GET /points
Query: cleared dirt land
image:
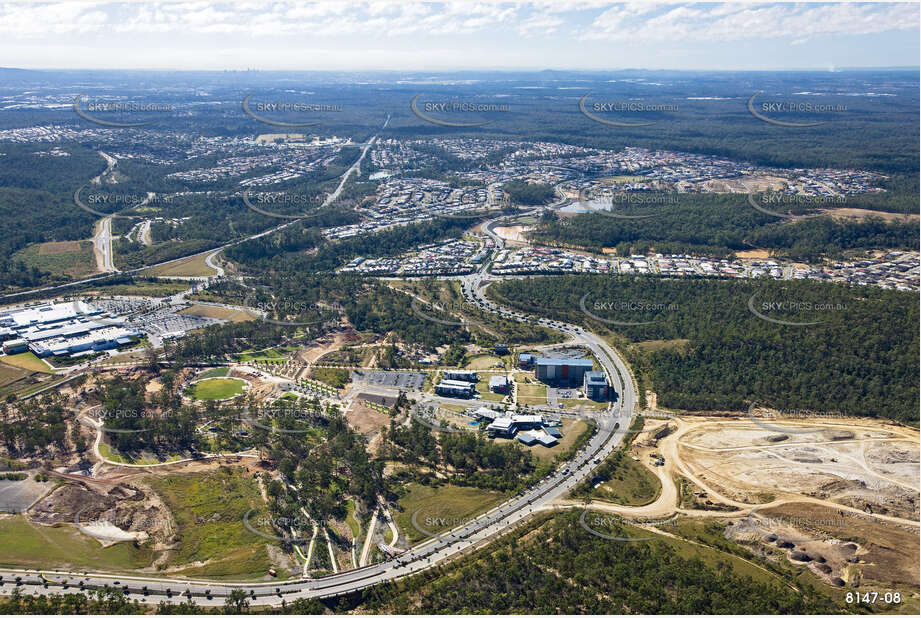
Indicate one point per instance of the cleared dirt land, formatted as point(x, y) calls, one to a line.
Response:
point(834, 500)
point(867, 466)
point(861, 213)
point(514, 232)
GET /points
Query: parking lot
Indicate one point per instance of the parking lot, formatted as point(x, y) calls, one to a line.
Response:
point(405, 380)
point(17, 496)
point(165, 323)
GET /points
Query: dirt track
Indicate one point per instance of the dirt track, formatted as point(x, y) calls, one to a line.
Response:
point(682, 457)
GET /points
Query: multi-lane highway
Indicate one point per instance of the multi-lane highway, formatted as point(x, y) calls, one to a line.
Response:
point(611, 427)
point(107, 256)
point(102, 242)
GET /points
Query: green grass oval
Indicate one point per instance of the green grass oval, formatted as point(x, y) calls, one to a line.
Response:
point(216, 388)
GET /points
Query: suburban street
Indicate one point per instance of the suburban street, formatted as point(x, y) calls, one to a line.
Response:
point(611, 426)
point(214, 250)
point(611, 429)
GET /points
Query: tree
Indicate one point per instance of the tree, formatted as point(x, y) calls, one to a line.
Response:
point(236, 602)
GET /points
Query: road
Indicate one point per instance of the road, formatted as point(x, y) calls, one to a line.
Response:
point(329, 200)
point(611, 428)
point(144, 231)
point(219, 271)
point(102, 242)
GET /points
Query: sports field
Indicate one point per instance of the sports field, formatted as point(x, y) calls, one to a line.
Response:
point(216, 388)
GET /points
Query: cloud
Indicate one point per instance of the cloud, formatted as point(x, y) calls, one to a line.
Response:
point(735, 21)
point(541, 24)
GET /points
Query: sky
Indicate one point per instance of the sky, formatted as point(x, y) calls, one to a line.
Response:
point(442, 36)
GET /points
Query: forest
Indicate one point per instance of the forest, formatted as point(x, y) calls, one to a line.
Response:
point(555, 565)
point(529, 193)
point(700, 346)
point(720, 225)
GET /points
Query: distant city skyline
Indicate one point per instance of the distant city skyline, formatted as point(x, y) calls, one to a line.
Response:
point(415, 36)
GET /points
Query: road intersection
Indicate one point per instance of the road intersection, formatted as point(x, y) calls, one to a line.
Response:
point(611, 427)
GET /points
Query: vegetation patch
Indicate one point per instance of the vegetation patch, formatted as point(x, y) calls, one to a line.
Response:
point(336, 378)
point(209, 509)
point(440, 508)
point(621, 480)
point(37, 546)
point(26, 360)
point(216, 388)
point(72, 259)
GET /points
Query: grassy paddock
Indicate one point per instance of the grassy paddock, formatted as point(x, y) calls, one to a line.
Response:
point(26, 360)
point(209, 510)
point(441, 508)
point(44, 547)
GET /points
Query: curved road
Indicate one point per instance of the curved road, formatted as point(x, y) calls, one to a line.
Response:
point(611, 428)
point(329, 200)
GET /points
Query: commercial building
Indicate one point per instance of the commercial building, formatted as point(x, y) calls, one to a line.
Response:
point(486, 414)
point(100, 339)
point(63, 329)
point(528, 421)
point(455, 388)
point(595, 386)
point(526, 361)
point(14, 346)
point(527, 438)
point(508, 426)
point(49, 313)
point(536, 436)
point(562, 371)
point(498, 384)
point(459, 375)
point(502, 427)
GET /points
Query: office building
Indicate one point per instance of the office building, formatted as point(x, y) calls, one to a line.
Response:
point(525, 361)
point(595, 386)
point(455, 388)
point(459, 375)
point(499, 384)
point(562, 371)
